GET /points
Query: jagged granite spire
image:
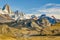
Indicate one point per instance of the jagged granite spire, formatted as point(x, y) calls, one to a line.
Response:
point(6, 8)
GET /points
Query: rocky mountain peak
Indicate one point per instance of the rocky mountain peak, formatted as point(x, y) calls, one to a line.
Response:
point(6, 8)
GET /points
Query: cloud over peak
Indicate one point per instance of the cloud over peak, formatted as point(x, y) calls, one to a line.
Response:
point(49, 9)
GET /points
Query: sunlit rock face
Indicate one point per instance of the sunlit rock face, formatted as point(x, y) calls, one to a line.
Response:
point(6, 8)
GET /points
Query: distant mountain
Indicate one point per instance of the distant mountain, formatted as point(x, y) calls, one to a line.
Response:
point(19, 15)
point(6, 8)
point(6, 14)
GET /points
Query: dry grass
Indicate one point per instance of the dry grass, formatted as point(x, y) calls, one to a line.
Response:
point(9, 33)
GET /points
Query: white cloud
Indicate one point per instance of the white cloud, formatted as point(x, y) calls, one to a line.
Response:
point(50, 9)
point(52, 4)
point(54, 10)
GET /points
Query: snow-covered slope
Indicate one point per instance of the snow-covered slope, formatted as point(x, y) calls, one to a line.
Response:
point(50, 15)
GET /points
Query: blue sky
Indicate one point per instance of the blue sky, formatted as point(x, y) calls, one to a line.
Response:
point(29, 6)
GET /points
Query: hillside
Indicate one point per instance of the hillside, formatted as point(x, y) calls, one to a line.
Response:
point(11, 33)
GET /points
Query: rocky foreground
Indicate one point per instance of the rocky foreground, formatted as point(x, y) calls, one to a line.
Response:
point(12, 33)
